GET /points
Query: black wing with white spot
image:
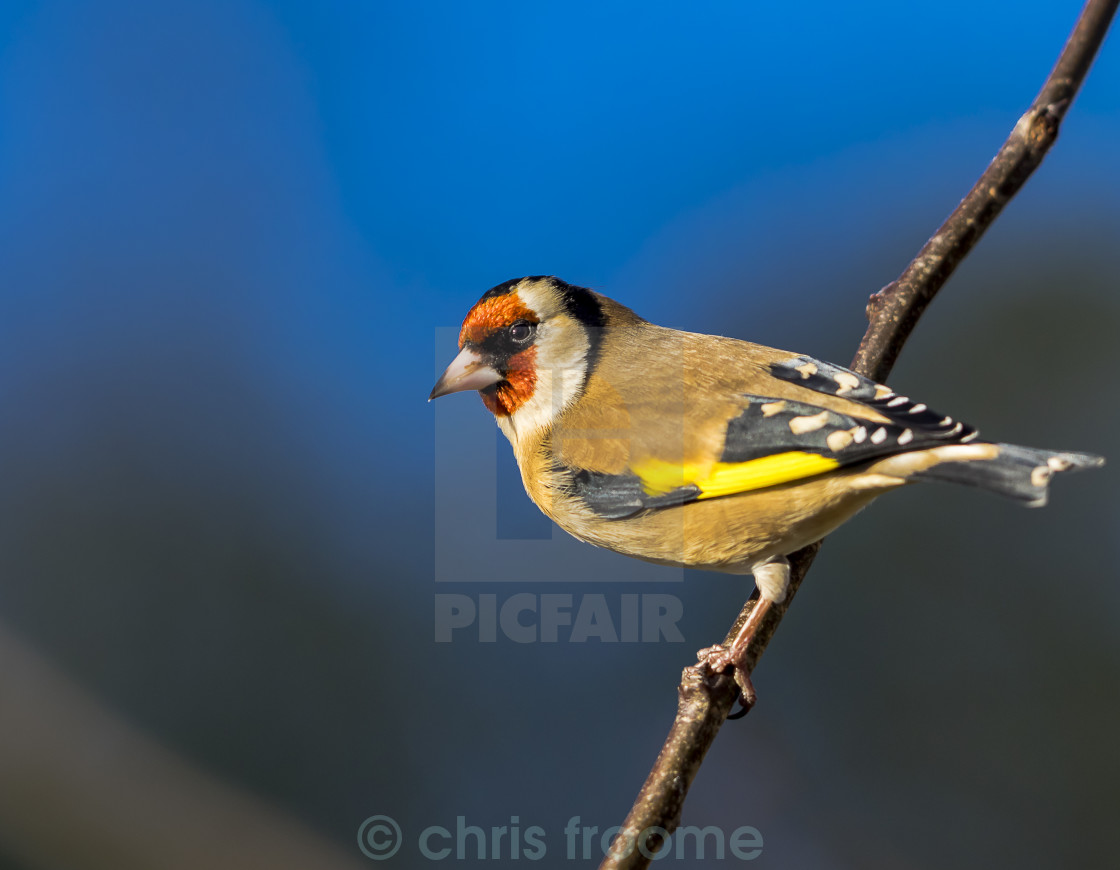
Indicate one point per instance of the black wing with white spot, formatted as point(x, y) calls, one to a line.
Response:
point(777, 440)
point(834, 380)
point(768, 427)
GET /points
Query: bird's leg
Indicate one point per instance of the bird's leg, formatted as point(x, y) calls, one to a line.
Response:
point(719, 658)
point(772, 579)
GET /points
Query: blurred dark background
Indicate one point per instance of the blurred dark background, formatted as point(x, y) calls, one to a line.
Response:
point(234, 236)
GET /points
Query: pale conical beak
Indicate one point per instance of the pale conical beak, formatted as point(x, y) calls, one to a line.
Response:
point(466, 372)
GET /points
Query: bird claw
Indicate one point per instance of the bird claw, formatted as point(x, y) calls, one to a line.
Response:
point(718, 659)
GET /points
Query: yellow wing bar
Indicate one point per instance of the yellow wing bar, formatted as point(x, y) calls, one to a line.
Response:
point(728, 478)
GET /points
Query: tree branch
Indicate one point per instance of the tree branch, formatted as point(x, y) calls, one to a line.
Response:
point(706, 699)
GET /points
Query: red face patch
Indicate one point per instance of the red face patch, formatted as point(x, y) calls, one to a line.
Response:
point(521, 380)
point(491, 315)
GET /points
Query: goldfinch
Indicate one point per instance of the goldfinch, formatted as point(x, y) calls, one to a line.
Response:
point(704, 451)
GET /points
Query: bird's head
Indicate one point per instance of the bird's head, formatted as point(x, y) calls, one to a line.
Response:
point(526, 346)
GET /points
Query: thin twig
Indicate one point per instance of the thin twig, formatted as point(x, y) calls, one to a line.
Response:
point(705, 699)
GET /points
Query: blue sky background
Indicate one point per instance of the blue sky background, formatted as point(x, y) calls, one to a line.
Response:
point(234, 236)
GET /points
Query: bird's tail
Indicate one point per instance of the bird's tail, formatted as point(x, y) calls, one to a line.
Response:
point(1021, 473)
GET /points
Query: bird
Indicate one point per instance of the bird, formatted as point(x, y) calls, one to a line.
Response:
point(704, 451)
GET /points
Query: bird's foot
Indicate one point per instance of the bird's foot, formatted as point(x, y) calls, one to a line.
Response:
point(718, 659)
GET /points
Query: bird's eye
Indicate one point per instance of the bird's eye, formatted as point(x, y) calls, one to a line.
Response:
point(522, 332)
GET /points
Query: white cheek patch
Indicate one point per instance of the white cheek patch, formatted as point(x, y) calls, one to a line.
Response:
point(555, 389)
point(560, 363)
point(561, 369)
